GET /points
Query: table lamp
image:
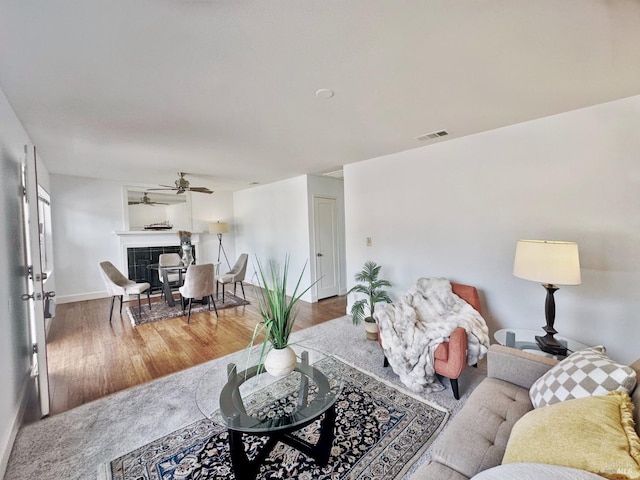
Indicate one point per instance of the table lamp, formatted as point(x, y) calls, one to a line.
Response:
point(551, 263)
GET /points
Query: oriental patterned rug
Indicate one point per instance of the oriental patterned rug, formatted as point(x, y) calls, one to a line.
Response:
point(380, 432)
point(162, 311)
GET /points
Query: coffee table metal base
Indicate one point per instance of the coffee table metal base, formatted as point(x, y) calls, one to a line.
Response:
point(320, 452)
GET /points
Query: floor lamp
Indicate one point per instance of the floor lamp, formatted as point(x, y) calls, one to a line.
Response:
point(550, 263)
point(219, 228)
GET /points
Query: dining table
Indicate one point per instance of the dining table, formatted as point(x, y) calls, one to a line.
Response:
point(164, 271)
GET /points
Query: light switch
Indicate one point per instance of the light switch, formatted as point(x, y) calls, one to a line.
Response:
point(368, 241)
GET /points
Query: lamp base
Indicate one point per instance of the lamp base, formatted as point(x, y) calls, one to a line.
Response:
point(548, 344)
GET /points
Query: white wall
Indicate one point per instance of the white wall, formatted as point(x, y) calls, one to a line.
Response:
point(206, 209)
point(85, 214)
point(272, 221)
point(15, 345)
point(456, 209)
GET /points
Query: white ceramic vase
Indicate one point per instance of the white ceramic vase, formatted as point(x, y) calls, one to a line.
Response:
point(280, 362)
point(187, 257)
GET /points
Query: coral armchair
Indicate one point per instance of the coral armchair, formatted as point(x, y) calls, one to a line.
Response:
point(450, 357)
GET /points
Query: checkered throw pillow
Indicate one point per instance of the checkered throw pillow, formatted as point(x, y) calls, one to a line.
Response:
point(582, 374)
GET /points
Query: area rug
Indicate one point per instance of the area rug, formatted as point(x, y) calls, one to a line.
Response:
point(380, 432)
point(162, 311)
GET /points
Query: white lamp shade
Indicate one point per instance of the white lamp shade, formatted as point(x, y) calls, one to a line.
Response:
point(218, 227)
point(549, 262)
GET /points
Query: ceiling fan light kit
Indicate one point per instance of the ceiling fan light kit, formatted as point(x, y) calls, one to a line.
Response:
point(182, 185)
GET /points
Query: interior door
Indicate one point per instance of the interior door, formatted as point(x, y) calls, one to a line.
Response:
point(35, 278)
point(326, 246)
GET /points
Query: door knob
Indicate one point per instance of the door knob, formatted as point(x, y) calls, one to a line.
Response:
point(31, 296)
point(319, 254)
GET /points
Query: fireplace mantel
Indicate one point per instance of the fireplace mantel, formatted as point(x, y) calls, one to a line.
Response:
point(150, 233)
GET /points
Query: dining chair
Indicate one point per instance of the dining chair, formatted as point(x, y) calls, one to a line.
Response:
point(198, 283)
point(169, 260)
point(235, 275)
point(119, 285)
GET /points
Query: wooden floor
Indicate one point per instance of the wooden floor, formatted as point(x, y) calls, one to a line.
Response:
point(88, 358)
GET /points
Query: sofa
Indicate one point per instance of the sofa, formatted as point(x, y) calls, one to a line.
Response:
point(473, 444)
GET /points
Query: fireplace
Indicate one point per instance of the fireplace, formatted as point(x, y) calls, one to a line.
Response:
point(139, 258)
point(142, 248)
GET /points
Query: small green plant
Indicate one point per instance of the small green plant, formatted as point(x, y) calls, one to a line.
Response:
point(371, 286)
point(278, 311)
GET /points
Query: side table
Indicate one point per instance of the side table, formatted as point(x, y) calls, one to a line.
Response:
point(524, 339)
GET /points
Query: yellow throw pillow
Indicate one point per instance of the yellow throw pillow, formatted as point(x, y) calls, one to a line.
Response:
point(594, 433)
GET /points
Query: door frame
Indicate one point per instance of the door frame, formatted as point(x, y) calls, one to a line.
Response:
point(336, 244)
point(35, 294)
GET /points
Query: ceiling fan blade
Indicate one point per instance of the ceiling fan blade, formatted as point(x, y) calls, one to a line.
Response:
point(167, 188)
point(200, 190)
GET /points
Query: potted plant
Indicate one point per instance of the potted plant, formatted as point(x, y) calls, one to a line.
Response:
point(278, 313)
point(371, 286)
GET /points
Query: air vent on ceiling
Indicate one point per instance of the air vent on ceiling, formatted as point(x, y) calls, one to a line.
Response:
point(431, 136)
point(336, 174)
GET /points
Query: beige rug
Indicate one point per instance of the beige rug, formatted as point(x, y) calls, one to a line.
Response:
point(162, 311)
point(380, 431)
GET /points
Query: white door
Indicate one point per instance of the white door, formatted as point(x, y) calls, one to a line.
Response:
point(35, 278)
point(326, 246)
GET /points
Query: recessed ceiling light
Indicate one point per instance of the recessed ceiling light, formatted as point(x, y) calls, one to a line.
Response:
point(324, 93)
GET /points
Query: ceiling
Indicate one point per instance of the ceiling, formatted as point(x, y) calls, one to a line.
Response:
point(137, 90)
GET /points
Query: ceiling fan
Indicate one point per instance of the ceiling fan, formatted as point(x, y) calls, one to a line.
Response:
point(182, 185)
point(145, 200)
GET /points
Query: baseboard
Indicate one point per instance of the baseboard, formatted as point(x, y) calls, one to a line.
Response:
point(12, 431)
point(80, 297)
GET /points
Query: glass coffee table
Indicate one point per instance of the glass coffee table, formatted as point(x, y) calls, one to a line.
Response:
point(525, 339)
point(253, 402)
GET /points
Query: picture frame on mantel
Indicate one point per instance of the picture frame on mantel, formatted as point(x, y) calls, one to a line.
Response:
point(141, 208)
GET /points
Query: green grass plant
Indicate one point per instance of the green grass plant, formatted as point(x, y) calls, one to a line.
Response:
point(278, 310)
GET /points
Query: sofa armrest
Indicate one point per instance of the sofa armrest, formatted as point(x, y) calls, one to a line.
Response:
point(515, 366)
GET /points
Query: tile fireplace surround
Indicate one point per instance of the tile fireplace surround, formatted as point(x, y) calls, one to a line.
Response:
point(141, 248)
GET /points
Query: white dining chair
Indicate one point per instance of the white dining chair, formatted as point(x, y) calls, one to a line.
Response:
point(235, 275)
point(119, 285)
point(174, 278)
point(198, 283)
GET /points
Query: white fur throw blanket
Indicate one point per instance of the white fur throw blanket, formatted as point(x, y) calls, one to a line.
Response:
point(425, 316)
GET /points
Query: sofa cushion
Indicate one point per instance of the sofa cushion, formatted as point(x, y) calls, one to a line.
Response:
point(516, 366)
point(535, 471)
point(593, 433)
point(434, 470)
point(476, 438)
point(583, 373)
